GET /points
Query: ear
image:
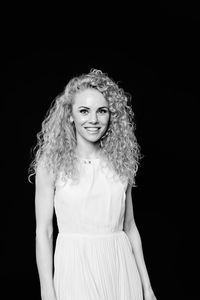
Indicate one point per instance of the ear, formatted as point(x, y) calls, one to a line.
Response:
point(71, 119)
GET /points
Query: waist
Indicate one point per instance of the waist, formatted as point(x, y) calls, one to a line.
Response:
point(90, 235)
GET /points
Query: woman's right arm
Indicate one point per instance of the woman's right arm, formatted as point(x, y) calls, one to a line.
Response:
point(44, 198)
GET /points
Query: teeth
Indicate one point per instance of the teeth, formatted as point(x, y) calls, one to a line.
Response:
point(92, 129)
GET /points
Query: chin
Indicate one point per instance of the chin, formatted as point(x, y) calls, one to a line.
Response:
point(93, 140)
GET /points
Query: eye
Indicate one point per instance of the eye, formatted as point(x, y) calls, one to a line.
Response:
point(83, 111)
point(103, 111)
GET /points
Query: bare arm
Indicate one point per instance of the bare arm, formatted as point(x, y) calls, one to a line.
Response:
point(44, 196)
point(132, 232)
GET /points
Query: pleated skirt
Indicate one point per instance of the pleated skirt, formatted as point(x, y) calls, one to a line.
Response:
point(95, 267)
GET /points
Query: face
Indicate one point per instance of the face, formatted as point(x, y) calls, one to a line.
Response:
point(90, 114)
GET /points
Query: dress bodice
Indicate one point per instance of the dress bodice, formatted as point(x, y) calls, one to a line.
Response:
point(96, 204)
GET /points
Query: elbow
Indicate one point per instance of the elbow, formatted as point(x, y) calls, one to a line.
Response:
point(43, 233)
point(134, 236)
point(129, 227)
point(132, 232)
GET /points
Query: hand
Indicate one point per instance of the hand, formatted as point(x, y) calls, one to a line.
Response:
point(149, 294)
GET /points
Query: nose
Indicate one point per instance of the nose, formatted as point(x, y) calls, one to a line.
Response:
point(93, 118)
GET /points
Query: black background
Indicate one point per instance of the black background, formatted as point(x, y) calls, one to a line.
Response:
point(152, 51)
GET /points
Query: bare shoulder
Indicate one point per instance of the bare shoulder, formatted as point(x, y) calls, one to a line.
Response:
point(44, 185)
point(43, 175)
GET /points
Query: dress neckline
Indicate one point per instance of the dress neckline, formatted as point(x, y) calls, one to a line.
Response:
point(96, 159)
point(88, 160)
point(82, 158)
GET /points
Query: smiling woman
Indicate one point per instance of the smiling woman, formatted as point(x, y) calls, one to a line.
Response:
point(85, 164)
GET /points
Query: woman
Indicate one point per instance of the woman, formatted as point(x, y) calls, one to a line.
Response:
point(85, 164)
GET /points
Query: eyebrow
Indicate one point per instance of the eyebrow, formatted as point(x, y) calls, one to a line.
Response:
point(89, 108)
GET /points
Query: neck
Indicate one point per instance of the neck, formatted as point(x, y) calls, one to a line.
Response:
point(88, 151)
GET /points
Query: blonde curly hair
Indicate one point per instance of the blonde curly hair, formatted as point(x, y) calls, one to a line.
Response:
point(56, 142)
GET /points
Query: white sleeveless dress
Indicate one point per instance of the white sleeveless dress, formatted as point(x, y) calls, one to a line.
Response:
point(93, 258)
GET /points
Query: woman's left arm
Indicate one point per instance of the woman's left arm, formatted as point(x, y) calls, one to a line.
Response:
point(132, 232)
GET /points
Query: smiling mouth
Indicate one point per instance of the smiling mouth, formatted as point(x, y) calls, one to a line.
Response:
point(92, 129)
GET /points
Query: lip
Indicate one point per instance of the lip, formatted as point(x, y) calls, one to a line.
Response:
point(93, 130)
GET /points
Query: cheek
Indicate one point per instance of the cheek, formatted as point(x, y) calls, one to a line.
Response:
point(80, 120)
point(105, 120)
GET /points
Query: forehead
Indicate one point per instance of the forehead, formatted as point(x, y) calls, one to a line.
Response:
point(90, 98)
